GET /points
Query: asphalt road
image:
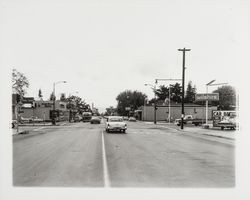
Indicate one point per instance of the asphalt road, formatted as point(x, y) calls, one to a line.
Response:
point(84, 155)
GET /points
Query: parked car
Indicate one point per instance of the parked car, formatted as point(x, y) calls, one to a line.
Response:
point(77, 118)
point(125, 118)
point(37, 120)
point(132, 119)
point(115, 123)
point(95, 120)
point(188, 119)
point(25, 120)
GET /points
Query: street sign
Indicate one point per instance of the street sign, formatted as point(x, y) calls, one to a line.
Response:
point(27, 99)
point(207, 96)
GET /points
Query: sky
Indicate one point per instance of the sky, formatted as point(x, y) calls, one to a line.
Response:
point(102, 48)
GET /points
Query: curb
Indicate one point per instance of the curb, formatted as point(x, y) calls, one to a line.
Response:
point(186, 131)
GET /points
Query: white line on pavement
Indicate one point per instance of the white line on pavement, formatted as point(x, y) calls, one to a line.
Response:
point(37, 129)
point(104, 162)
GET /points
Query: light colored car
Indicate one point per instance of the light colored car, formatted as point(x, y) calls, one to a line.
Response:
point(125, 118)
point(37, 120)
point(25, 120)
point(95, 120)
point(132, 119)
point(115, 123)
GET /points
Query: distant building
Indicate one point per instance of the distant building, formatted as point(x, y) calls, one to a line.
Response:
point(146, 113)
point(40, 109)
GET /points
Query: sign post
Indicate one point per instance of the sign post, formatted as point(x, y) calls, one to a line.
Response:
point(128, 109)
point(207, 97)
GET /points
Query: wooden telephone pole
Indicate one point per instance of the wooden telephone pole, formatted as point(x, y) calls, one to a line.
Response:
point(183, 84)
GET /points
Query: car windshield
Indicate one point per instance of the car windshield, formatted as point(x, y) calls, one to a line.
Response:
point(115, 119)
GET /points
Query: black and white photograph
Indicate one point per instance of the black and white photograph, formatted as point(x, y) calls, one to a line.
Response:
point(128, 99)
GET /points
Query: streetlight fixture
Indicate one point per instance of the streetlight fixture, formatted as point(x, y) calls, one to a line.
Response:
point(54, 100)
point(210, 84)
point(153, 87)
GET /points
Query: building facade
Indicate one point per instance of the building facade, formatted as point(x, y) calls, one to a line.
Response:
point(162, 112)
point(41, 109)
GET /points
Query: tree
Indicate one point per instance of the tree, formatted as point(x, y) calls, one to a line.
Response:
point(227, 97)
point(63, 97)
point(19, 83)
point(40, 94)
point(110, 111)
point(190, 93)
point(52, 97)
point(176, 94)
point(129, 99)
point(76, 103)
point(162, 93)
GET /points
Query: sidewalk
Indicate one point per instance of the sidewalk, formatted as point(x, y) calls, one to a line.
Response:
point(25, 128)
point(212, 131)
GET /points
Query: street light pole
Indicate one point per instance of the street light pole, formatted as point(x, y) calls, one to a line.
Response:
point(183, 84)
point(169, 105)
point(207, 99)
point(54, 101)
point(54, 106)
point(154, 89)
point(169, 113)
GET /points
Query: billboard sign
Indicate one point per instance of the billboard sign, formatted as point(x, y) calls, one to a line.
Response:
point(27, 99)
point(220, 116)
point(207, 96)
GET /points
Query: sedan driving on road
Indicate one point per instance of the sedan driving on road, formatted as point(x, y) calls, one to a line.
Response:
point(95, 120)
point(115, 123)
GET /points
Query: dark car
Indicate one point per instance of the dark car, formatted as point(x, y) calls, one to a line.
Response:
point(95, 120)
point(77, 118)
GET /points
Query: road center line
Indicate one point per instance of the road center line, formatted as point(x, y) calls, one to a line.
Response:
point(37, 129)
point(104, 163)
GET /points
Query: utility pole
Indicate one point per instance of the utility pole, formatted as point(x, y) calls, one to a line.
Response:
point(155, 108)
point(183, 84)
point(54, 101)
